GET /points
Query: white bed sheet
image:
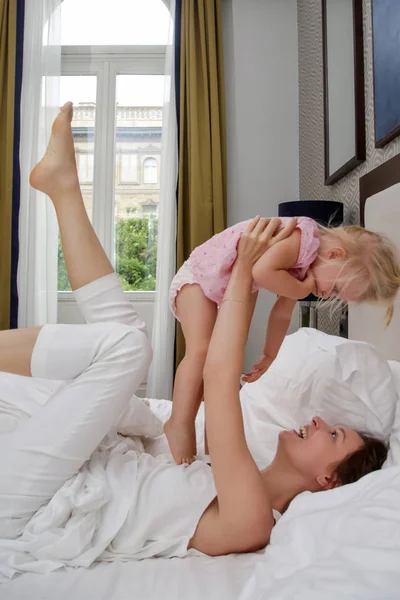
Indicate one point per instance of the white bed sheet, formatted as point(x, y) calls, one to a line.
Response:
point(308, 556)
point(191, 578)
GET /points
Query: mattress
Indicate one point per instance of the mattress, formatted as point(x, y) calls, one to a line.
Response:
point(191, 578)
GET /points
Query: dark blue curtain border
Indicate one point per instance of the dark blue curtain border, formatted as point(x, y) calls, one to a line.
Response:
point(177, 47)
point(16, 193)
point(177, 69)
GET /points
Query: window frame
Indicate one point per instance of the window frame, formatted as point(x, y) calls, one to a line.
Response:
point(106, 63)
point(154, 165)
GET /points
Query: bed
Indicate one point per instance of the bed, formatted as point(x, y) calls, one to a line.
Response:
point(343, 543)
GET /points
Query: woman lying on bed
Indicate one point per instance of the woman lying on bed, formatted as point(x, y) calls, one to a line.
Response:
point(70, 494)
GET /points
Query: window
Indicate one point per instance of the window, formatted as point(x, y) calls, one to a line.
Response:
point(150, 170)
point(128, 172)
point(150, 209)
point(118, 98)
point(85, 167)
point(120, 22)
point(138, 112)
point(82, 90)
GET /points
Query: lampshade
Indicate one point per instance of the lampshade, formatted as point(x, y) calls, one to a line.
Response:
point(325, 212)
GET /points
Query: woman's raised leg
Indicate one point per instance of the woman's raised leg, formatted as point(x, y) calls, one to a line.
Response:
point(96, 286)
point(56, 176)
point(102, 363)
point(16, 347)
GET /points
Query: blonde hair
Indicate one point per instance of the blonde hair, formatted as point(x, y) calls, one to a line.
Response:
point(371, 258)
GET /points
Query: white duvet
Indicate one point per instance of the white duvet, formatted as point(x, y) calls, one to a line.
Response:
point(123, 504)
point(343, 543)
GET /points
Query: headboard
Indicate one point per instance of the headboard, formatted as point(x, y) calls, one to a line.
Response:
point(380, 212)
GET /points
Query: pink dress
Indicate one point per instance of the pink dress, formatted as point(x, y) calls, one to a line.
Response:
point(210, 264)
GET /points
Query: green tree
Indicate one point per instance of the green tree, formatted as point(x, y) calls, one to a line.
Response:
point(136, 254)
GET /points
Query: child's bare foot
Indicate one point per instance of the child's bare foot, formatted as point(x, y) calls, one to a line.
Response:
point(57, 169)
point(182, 441)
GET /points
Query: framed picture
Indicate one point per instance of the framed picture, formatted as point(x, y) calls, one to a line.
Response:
point(386, 57)
point(344, 105)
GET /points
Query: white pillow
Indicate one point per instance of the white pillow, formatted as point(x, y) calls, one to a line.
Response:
point(342, 381)
point(394, 442)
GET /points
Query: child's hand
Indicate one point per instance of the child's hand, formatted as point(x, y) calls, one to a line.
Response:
point(308, 285)
point(260, 367)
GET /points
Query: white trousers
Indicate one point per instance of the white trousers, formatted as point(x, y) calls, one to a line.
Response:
point(103, 364)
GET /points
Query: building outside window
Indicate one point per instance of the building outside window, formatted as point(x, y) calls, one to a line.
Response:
point(118, 93)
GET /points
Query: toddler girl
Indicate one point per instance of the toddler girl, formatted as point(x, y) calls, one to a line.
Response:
point(349, 263)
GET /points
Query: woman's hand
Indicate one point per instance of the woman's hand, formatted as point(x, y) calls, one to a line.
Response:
point(260, 235)
point(258, 369)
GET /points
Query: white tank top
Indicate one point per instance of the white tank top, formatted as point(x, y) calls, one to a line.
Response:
point(168, 503)
point(168, 506)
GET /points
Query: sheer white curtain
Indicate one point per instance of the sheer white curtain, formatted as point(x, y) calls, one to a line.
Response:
point(160, 378)
point(37, 269)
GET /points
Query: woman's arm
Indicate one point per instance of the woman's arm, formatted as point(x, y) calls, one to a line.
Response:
point(271, 270)
point(245, 515)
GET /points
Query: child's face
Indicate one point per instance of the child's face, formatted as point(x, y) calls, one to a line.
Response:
point(332, 279)
point(327, 277)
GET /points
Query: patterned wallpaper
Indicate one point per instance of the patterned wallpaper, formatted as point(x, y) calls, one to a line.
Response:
point(311, 138)
point(312, 116)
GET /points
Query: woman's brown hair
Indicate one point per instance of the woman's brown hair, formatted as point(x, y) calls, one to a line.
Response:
point(367, 459)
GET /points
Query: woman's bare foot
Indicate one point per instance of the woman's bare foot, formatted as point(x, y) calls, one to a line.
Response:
point(182, 441)
point(57, 169)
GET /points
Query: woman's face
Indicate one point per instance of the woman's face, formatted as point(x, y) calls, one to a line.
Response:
point(316, 449)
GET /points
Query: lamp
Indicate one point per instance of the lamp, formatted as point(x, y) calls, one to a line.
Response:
point(327, 213)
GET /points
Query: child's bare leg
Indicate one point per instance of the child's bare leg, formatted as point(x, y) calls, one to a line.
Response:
point(197, 314)
point(56, 176)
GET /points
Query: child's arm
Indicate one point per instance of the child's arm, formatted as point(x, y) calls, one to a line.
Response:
point(271, 270)
point(278, 325)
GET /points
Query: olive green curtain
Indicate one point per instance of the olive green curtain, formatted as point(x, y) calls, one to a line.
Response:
point(8, 39)
point(202, 139)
